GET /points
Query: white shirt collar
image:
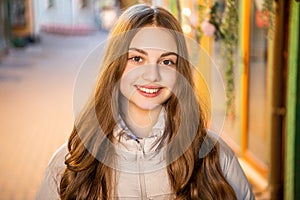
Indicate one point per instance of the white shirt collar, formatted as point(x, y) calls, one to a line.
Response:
point(121, 130)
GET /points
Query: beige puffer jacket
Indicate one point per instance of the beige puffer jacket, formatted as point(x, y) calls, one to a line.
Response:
point(141, 171)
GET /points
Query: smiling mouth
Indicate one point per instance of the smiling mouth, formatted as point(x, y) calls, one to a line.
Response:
point(149, 91)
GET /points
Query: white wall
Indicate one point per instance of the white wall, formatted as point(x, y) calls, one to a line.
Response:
point(83, 15)
point(64, 12)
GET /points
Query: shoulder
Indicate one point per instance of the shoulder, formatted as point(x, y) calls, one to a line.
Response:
point(49, 187)
point(56, 165)
point(232, 169)
point(57, 161)
point(226, 154)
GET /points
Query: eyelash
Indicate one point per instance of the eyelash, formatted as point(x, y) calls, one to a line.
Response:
point(170, 62)
point(134, 59)
point(139, 59)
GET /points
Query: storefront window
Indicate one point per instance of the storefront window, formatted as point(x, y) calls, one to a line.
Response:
point(18, 14)
point(84, 4)
point(231, 128)
point(3, 27)
point(257, 134)
point(50, 3)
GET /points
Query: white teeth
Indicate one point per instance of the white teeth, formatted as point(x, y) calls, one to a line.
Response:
point(148, 90)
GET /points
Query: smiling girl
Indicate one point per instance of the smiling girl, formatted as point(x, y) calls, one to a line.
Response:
point(141, 134)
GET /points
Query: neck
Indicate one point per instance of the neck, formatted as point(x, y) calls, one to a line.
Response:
point(139, 121)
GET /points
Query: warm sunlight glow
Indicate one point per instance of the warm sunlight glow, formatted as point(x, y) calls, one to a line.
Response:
point(187, 12)
point(186, 29)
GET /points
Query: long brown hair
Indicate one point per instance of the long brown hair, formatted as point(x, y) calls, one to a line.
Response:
point(191, 177)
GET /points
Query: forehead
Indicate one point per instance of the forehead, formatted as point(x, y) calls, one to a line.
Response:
point(154, 37)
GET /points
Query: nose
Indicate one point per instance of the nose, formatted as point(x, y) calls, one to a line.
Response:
point(152, 73)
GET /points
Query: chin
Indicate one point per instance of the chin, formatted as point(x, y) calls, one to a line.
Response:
point(148, 107)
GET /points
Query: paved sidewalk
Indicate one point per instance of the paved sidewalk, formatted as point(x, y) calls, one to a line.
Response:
point(36, 117)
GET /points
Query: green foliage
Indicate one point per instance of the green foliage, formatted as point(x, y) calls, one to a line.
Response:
point(229, 29)
point(201, 17)
point(225, 20)
point(216, 12)
point(268, 9)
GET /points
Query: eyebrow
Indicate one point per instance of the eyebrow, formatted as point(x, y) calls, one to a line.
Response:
point(168, 54)
point(145, 53)
point(139, 50)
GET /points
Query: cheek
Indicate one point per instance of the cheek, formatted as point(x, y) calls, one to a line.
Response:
point(128, 78)
point(128, 67)
point(131, 72)
point(125, 83)
point(169, 77)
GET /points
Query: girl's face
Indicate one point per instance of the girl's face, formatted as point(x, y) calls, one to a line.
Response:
point(150, 72)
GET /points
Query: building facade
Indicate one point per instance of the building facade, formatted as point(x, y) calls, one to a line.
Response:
point(264, 130)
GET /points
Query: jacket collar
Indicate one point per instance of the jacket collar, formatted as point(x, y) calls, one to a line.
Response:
point(121, 130)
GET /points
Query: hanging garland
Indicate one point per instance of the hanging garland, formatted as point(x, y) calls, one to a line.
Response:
point(223, 25)
point(229, 29)
point(201, 17)
point(268, 16)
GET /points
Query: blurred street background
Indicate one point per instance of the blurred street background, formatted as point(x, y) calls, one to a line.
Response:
point(254, 44)
point(36, 90)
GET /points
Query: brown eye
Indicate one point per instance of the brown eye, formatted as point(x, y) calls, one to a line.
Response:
point(168, 62)
point(137, 59)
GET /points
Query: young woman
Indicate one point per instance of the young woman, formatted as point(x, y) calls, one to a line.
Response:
point(143, 133)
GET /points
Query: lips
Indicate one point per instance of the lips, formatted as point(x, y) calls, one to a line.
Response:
point(149, 91)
